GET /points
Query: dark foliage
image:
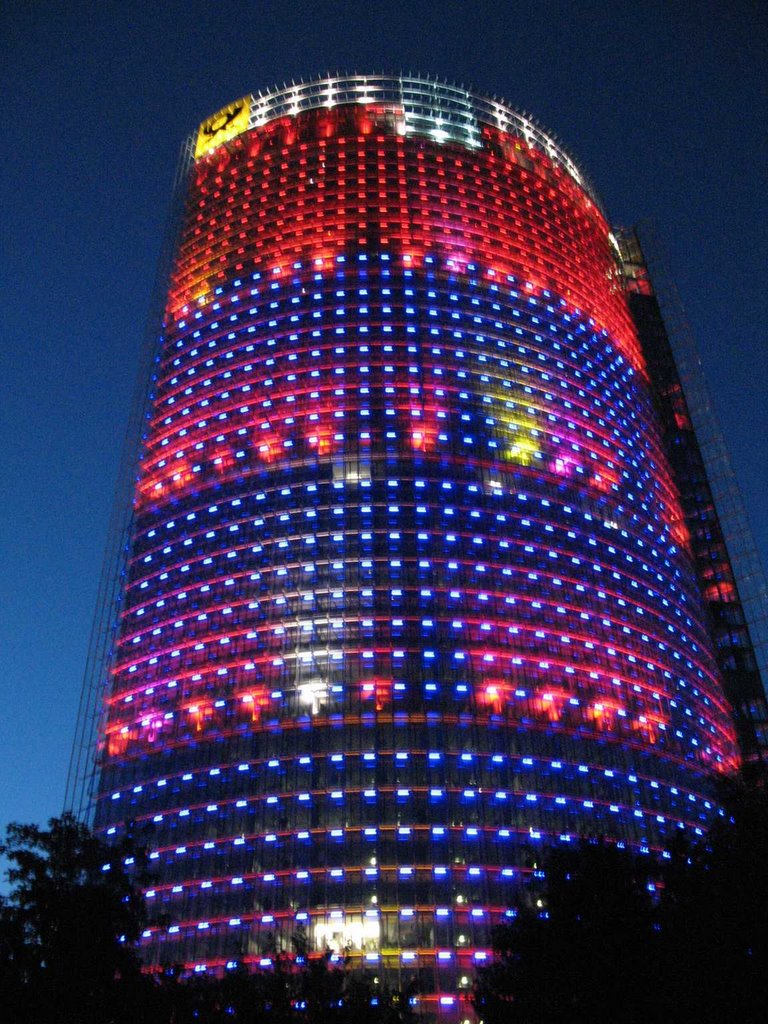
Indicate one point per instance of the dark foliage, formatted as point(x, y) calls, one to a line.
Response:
point(589, 952)
point(622, 939)
point(308, 992)
point(68, 936)
point(609, 937)
point(713, 918)
point(68, 929)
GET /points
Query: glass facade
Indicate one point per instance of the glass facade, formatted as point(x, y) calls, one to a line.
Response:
point(727, 567)
point(410, 593)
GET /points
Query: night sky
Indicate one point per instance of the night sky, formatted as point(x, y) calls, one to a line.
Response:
point(664, 103)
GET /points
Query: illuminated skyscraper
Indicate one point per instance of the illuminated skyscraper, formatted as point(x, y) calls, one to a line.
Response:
point(409, 592)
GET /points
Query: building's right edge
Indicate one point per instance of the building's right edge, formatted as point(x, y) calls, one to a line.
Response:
point(728, 569)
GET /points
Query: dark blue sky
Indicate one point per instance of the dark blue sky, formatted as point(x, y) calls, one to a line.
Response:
point(664, 102)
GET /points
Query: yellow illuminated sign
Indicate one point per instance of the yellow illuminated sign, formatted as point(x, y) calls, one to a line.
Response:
point(223, 126)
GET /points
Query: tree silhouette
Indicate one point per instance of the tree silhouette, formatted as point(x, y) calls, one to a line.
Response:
point(68, 928)
point(620, 939)
point(713, 917)
point(607, 937)
point(588, 950)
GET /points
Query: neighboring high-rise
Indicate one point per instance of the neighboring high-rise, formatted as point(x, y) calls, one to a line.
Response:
point(410, 591)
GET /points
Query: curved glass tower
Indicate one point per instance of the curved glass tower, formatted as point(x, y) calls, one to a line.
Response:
point(409, 591)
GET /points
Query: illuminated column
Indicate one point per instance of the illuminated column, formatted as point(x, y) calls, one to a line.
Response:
point(409, 593)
